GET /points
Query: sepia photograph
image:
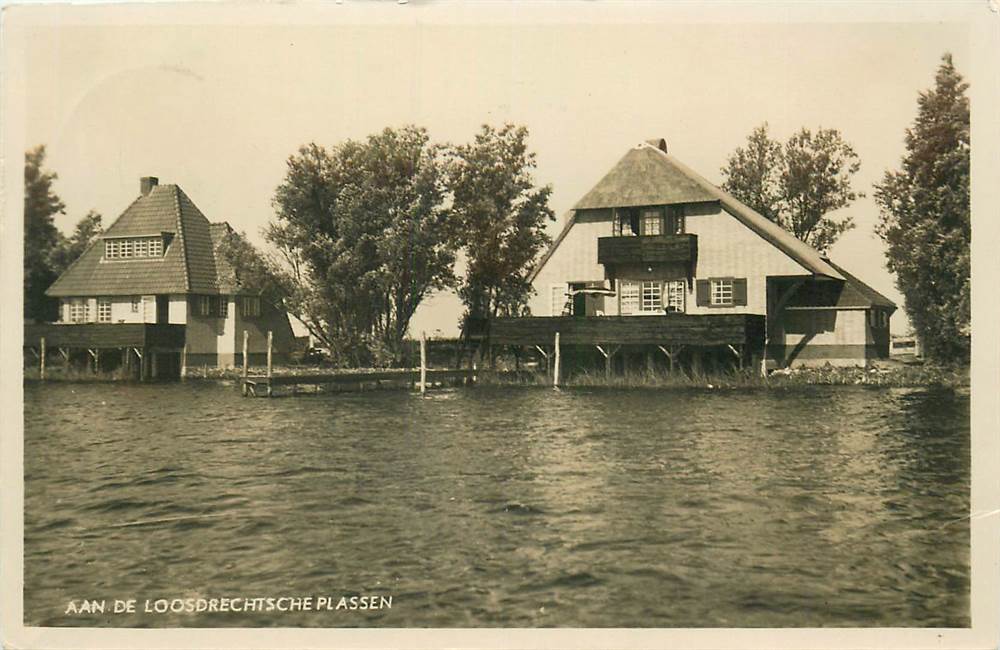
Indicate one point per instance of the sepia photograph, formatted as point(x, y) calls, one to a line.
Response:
point(399, 315)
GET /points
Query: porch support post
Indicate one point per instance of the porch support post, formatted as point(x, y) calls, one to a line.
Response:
point(184, 361)
point(609, 355)
point(649, 361)
point(423, 363)
point(270, 340)
point(545, 354)
point(246, 355)
point(671, 352)
point(555, 374)
point(41, 365)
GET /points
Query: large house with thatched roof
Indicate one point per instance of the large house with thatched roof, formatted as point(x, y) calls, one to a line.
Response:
point(656, 257)
point(155, 285)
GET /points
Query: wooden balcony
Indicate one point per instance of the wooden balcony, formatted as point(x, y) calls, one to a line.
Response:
point(668, 329)
point(655, 249)
point(100, 336)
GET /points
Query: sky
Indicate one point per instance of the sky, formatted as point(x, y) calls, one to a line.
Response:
point(218, 109)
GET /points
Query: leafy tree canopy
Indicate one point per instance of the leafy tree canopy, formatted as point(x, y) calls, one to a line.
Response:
point(366, 236)
point(925, 218)
point(796, 184)
point(501, 217)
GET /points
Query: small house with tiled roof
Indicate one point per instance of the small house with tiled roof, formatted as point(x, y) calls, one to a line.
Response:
point(159, 263)
point(657, 257)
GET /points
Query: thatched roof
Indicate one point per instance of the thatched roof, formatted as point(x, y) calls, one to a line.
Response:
point(644, 176)
point(648, 175)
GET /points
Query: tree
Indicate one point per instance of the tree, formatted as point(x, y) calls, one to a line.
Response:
point(925, 218)
point(501, 217)
point(366, 237)
point(41, 237)
point(797, 185)
point(86, 231)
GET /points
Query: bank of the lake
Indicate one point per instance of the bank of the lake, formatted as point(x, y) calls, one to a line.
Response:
point(493, 506)
point(896, 375)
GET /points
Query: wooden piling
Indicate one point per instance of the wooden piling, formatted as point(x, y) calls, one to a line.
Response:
point(555, 374)
point(270, 338)
point(41, 362)
point(423, 363)
point(246, 360)
point(246, 354)
point(184, 361)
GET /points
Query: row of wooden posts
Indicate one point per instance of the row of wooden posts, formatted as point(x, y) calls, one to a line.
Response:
point(94, 353)
point(609, 352)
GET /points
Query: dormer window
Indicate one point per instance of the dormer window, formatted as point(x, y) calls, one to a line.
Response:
point(123, 248)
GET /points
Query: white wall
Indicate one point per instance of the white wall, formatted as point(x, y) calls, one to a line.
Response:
point(178, 310)
point(575, 260)
point(726, 248)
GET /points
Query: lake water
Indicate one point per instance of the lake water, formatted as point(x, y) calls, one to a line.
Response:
point(819, 506)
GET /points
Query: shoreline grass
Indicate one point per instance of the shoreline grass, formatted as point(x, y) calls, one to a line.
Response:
point(886, 375)
point(891, 377)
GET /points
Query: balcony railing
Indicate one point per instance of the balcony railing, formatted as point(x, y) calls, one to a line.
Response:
point(653, 249)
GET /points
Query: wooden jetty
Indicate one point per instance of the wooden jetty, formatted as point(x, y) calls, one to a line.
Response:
point(264, 385)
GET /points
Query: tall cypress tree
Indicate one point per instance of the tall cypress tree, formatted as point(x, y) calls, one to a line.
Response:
point(925, 220)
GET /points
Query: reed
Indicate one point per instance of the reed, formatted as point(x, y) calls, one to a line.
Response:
point(894, 376)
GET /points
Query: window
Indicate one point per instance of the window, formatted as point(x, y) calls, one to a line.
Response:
point(250, 307)
point(136, 301)
point(133, 247)
point(722, 292)
point(625, 223)
point(652, 222)
point(558, 299)
point(652, 296)
point(675, 220)
point(104, 310)
point(79, 310)
point(204, 305)
point(629, 297)
point(675, 296)
point(223, 310)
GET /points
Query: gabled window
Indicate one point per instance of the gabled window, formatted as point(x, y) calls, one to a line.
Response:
point(625, 222)
point(675, 220)
point(118, 248)
point(652, 222)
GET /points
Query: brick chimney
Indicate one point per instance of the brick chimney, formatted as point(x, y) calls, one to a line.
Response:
point(659, 143)
point(147, 183)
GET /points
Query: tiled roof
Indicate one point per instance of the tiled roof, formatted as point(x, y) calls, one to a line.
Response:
point(187, 265)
